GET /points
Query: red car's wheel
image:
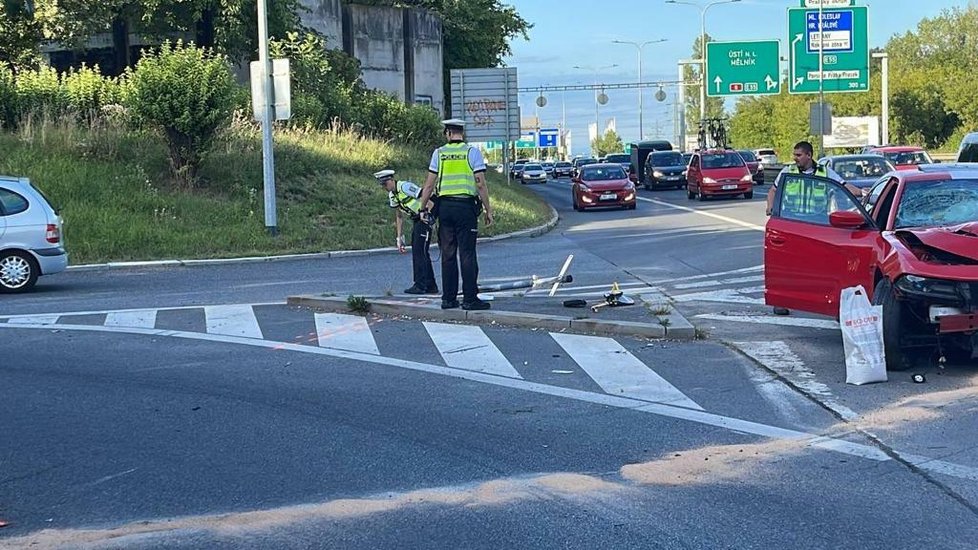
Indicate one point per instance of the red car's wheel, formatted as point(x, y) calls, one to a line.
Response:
point(897, 358)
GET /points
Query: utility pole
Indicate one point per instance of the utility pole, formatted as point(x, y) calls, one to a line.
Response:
point(267, 148)
point(641, 92)
point(885, 92)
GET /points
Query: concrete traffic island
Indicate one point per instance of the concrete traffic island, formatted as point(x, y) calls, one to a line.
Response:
point(645, 319)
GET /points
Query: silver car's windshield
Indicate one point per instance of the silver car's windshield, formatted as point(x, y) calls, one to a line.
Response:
point(938, 203)
point(862, 168)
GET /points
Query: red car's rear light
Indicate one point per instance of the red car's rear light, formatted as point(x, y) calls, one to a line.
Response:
point(53, 234)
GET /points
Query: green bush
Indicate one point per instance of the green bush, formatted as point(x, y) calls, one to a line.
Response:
point(385, 116)
point(322, 87)
point(40, 92)
point(87, 91)
point(186, 92)
point(8, 98)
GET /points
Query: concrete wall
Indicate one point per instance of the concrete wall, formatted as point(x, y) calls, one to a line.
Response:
point(425, 58)
point(325, 16)
point(400, 50)
point(375, 36)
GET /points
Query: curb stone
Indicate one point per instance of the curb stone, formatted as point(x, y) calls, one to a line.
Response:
point(338, 304)
point(678, 326)
point(523, 233)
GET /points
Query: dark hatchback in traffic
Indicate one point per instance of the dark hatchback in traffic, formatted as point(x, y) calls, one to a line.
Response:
point(665, 169)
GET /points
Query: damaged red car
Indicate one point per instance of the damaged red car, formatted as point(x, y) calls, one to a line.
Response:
point(912, 242)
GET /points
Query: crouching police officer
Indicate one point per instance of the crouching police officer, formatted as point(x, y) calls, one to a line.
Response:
point(403, 196)
point(460, 172)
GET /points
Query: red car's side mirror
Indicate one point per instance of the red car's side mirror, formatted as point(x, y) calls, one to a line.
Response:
point(847, 220)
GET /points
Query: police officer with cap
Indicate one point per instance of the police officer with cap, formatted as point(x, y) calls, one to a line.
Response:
point(403, 198)
point(457, 181)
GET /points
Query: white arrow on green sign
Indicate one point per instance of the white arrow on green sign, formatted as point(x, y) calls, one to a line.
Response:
point(743, 68)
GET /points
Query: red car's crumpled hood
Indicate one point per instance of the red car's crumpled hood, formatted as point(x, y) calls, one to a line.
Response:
point(612, 185)
point(960, 240)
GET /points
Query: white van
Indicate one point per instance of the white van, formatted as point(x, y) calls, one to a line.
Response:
point(968, 151)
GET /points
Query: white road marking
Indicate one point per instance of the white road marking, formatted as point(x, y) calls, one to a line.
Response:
point(726, 296)
point(107, 311)
point(868, 452)
point(618, 372)
point(778, 357)
point(468, 348)
point(770, 320)
point(712, 275)
point(719, 282)
point(33, 319)
point(140, 318)
point(733, 221)
point(234, 320)
point(349, 332)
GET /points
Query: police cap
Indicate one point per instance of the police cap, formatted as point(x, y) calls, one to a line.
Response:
point(383, 176)
point(454, 123)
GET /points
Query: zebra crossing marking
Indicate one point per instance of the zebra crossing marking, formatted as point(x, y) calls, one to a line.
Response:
point(349, 332)
point(468, 348)
point(233, 320)
point(33, 320)
point(144, 318)
point(618, 372)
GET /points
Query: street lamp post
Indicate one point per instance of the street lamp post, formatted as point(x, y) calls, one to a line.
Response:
point(703, 9)
point(885, 92)
point(641, 128)
point(597, 124)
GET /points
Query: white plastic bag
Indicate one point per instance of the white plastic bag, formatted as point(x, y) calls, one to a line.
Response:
point(862, 337)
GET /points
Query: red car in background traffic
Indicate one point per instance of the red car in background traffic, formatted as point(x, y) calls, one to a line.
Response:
point(603, 185)
point(913, 245)
point(718, 173)
point(903, 157)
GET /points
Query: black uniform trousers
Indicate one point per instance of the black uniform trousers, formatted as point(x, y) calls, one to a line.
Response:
point(424, 274)
point(458, 228)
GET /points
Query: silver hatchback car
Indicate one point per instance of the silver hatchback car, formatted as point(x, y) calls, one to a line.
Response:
point(30, 236)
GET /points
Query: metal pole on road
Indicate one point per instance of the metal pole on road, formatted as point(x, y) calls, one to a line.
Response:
point(267, 151)
point(641, 92)
point(703, 10)
point(885, 92)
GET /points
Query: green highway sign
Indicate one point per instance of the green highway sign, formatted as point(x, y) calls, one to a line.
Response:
point(743, 68)
point(843, 34)
point(827, 3)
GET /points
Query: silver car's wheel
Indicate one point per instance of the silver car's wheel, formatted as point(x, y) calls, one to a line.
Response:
point(17, 272)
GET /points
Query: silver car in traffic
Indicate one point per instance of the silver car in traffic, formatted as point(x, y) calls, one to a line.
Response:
point(30, 236)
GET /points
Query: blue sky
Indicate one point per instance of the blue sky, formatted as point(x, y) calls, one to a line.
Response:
point(580, 32)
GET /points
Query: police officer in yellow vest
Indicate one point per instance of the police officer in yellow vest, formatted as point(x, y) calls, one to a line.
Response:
point(459, 171)
point(403, 198)
point(804, 164)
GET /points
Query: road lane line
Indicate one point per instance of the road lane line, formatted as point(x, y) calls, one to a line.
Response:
point(778, 357)
point(768, 320)
point(860, 450)
point(719, 282)
point(733, 221)
point(235, 320)
point(725, 296)
point(468, 348)
point(107, 311)
point(144, 318)
point(618, 372)
point(33, 319)
point(349, 332)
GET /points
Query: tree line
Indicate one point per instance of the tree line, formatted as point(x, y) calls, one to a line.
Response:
point(931, 92)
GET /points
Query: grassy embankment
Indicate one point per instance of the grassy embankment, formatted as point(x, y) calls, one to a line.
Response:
point(113, 188)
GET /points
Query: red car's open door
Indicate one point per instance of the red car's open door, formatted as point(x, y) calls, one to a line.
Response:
point(818, 241)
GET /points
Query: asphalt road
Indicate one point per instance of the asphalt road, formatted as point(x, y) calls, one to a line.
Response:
point(214, 416)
